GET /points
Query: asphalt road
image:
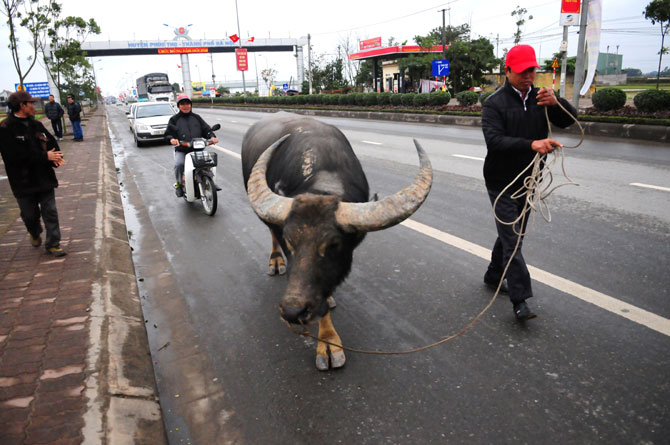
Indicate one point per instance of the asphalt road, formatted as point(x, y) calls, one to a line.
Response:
point(592, 368)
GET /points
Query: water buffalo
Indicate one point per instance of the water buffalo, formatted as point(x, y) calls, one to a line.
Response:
point(305, 182)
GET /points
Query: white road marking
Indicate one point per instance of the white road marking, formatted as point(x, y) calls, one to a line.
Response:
point(603, 301)
point(611, 304)
point(648, 186)
point(468, 157)
point(370, 142)
point(2, 178)
point(228, 152)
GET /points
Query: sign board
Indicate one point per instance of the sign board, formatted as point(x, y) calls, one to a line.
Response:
point(370, 43)
point(284, 87)
point(554, 64)
point(36, 89)
point(570, 10)
point(212, 92)
point(440, 67)
point(242, 61)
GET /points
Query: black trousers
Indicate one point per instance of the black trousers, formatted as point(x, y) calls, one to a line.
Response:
point(518, 277)
point(57, 125)
point(41, 204)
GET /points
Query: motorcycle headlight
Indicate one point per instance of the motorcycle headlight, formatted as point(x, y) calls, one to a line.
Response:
point(199, 144)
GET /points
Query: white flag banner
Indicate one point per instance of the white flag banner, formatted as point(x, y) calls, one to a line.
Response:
point(594, 22)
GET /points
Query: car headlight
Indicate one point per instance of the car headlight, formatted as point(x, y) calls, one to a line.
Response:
point(142, 128)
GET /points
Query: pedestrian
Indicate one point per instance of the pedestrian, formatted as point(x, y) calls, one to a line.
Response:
point(185, 126)
point(30, 155)
point(54, 113)
point(515, 128)
point(74, 113)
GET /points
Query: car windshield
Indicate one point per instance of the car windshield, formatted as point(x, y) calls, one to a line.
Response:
point(155, 110)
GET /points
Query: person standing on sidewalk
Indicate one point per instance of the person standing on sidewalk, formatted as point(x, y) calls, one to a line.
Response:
point(54, 113)
point(30, 155)
point(515, 129)
point(74, 113)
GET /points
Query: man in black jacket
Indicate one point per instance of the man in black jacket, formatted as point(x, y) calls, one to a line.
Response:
point(74, 113)
point(515, 128)
point(185, 126)
point(30, 155)
point(54, 113)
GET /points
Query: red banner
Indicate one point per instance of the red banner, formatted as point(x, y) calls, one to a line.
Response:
point(242, 61)
point(182, 50)
point(371, 43)
point(570, 6)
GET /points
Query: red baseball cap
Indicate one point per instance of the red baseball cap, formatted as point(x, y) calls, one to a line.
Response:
point(520, 58)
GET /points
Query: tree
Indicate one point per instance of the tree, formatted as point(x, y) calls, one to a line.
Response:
point(632, 72)
point(469, 61)
point(520, 14)
point(176, 88)
point(659, 11)
point(569, 66)
point(268, 75)
point(364, 76)
point(32, 16)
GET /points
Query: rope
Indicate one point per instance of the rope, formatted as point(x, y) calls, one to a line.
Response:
point(536, 193)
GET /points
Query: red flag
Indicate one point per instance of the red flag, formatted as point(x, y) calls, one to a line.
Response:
point(234, 38)
point(251, 39)
point(178, 66)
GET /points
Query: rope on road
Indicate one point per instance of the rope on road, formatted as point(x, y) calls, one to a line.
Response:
point(536, 192)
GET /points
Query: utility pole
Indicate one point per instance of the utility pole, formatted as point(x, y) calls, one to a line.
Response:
point(581, 55)
point(211, 60)
point(444, 35)
point(309, 60)
point(239, 45)
point(564, 60)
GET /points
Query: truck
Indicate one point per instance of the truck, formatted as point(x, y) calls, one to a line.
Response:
point(154, 87)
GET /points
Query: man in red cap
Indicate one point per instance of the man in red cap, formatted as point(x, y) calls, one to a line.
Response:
point(515, 128)
point(30, 155)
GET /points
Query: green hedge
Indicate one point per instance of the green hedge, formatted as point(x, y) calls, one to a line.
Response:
point(467, 98)
point(650, 101)
point(607, 99)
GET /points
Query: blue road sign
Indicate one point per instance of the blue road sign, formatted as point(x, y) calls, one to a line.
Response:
point(440, 68)
point(36, 89)
point(284, 87)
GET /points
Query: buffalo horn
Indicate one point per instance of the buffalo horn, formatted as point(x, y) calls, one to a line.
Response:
point(269, 206)
point(378, 215)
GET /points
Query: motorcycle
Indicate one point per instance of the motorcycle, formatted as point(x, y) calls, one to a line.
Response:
point(200, 172)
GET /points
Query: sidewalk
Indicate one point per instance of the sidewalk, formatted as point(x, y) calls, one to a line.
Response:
point(74, 357)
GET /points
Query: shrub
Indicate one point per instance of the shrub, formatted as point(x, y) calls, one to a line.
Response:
point(485, 96)
point(407, 99)
point(301, 99)
point(343, 99)
point(370, 99)
point(652, 100)
point(439, 98)
point(384, 98)
point(607, 99)
point(396, 99)
point(467, 98)
point(420, 100)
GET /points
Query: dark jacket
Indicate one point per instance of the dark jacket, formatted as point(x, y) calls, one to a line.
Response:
point(24, 143)
point(187, 126)
point(509, 131)
point(53, 110)
point(73, 111)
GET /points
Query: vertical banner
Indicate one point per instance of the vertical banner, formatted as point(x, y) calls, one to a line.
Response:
point(242, 61)
point(592, 42)
point(570, 10)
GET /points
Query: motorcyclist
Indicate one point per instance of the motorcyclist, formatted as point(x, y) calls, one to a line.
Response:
point(185, 126)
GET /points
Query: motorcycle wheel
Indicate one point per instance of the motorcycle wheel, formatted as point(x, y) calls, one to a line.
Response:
point(209, 198)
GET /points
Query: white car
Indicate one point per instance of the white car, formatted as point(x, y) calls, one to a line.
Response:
point(148, 120)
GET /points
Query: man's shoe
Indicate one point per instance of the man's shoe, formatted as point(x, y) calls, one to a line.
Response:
point(493, 284)
point(178, 190)
point(36, 241)
point(522, 312)
point(56, 251)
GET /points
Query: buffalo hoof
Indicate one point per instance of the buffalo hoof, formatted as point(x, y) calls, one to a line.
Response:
point(337, 360)
point(331, 303)
point(277, 266)
point(282, 269)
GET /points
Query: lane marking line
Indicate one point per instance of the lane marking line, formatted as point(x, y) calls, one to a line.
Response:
point(372, 143)
point(603, 301)
point(228, 152)
point(468, 157)
point(648, 186)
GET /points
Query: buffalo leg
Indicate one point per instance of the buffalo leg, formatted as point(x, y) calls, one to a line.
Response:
point(327, 333)
point(277, 264)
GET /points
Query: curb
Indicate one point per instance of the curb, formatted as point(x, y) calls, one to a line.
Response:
point(655, 133)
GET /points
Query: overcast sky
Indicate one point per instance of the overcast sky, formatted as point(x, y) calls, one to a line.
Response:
point(329, 23)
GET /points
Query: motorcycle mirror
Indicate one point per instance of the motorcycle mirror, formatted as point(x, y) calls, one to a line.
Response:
point(216, 127)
